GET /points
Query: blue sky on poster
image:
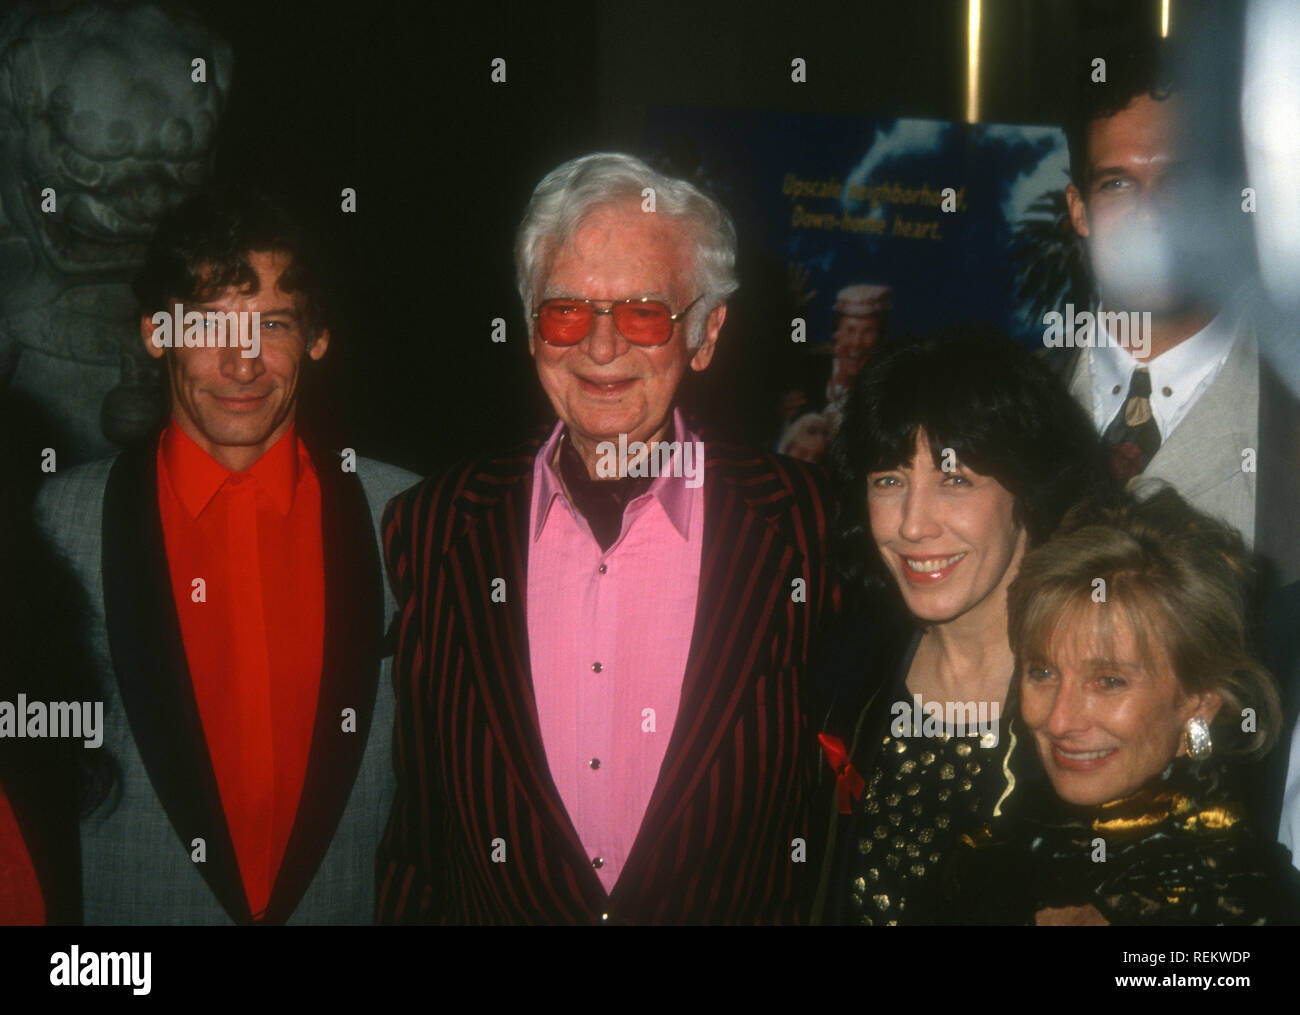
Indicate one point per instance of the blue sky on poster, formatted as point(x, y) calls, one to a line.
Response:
point(958, 272)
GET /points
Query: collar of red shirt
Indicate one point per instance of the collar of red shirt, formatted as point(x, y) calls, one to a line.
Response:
point(196, 476)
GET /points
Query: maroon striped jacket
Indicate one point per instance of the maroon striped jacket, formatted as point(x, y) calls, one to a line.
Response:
point(479, 833)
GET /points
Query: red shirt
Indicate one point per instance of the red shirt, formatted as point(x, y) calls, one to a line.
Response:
point(253, 630)
point(21, 901)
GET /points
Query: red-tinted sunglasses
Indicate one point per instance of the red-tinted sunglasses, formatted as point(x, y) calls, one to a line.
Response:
point(644, 321)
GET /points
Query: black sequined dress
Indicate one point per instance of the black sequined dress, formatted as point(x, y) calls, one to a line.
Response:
point(922, 794)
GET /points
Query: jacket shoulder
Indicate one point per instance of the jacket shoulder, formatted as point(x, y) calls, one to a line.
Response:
point(442, 504)
point(73, 499)
point(757, 468)
point(382, 482)
point(789, 491)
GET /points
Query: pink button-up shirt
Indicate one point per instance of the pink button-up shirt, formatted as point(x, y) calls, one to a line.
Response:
point(609, 633)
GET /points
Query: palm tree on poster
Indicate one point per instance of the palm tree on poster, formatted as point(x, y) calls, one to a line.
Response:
point(1049, 266)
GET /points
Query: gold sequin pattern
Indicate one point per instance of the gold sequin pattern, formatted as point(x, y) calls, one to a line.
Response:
point(918, 795)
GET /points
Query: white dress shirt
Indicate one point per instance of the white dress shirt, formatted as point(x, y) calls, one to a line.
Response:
point(1179, 376)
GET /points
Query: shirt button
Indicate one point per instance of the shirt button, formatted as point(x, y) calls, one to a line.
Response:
point(602, 569)
point(598, 862)
point(596, 667)
point(1115, 390)
point(1166, 391)
point(594, 763)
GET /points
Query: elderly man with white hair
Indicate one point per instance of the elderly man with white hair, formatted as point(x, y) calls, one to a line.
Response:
point(601, 664)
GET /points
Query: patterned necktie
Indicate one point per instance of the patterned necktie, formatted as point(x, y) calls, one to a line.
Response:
point(1133, 437)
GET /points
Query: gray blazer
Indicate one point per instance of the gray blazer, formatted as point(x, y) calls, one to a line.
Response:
point(1246, 406)
point(138, 848)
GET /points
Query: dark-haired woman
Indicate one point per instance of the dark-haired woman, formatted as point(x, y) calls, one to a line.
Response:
point(953, 459)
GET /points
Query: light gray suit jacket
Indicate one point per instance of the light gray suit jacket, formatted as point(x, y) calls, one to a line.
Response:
point(139, 847)
point(1246, 406)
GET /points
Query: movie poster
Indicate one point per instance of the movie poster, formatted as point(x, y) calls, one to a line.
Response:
point(883, 227)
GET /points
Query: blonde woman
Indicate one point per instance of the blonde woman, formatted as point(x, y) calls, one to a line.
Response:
point(1137, 700)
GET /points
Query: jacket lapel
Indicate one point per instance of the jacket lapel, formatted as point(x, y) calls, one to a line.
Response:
point(1204, 450)
point(354, 616)
point(493, 544)
point(152, 674)
point(738, 626)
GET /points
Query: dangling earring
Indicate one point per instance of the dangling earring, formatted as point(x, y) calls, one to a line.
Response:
point(1196, 738)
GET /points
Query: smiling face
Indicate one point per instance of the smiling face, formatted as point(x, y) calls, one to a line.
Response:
point(950, 539)
point(604, 385)
point(855, 337)
point(236, 407)
point(1129, 202)
point(1104, 722)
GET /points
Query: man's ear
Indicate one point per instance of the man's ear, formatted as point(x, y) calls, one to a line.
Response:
point(147, 329)
point(319, 344)
point(1078, 210)
point(704, 354)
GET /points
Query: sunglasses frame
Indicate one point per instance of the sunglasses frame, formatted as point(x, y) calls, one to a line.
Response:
point(596, 312)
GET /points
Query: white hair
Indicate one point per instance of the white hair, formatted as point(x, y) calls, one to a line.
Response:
point(569, 193)
point(808, 426)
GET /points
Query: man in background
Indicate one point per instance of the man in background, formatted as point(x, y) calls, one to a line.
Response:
point(1195, 404)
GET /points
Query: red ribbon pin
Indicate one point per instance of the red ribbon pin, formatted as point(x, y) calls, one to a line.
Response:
point(848, 783)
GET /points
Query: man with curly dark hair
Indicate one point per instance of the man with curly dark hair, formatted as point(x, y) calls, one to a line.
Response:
point(1193, 399)
point(236, 600)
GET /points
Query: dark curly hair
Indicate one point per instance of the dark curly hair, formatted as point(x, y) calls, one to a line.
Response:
point(1140, 68)
point(1002, 411)
point(202, 245)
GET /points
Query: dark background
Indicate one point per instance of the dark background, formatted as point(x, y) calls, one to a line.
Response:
point(396, 101)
